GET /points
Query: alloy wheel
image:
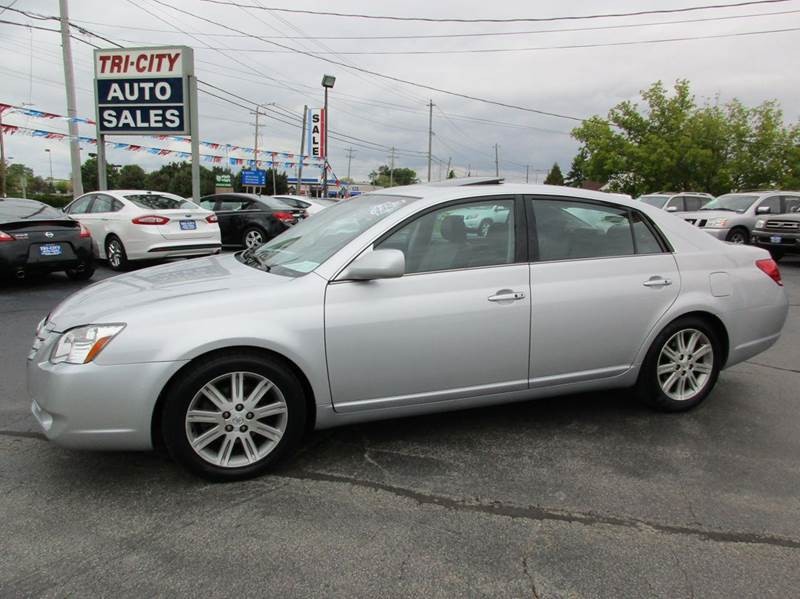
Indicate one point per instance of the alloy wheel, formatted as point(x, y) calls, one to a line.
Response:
point(114, 253)
point(253, 239)
point(685, 364)
point(236, 419)
point(737, 237)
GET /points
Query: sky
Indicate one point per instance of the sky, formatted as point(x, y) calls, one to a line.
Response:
point(377, 113)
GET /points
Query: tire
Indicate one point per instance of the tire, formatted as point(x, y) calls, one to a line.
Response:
point(116, 255)
point(84, 272)
point(483, 228)
point(253, 237)
point(660, 387)
point(738, 235)
point(232, 441)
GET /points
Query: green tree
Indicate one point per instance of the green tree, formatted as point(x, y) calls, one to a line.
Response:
point(131, 176)
point(672, 143)
point(176, 177)
point(18, 178)
point(89, 175)
point(451, 174)
point(554, 177)
point(384, 176)
point(576, 175)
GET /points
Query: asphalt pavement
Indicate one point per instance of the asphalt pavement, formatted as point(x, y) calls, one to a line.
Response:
point(580, 496)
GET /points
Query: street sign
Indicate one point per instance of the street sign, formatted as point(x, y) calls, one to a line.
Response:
point(317, 144)
point(254, 178)
point(223, 181)
point(143, 91)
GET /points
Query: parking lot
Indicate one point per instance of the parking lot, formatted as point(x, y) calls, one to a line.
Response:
point(581, 496)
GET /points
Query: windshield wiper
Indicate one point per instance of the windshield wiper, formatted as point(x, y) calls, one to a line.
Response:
point(250, 258)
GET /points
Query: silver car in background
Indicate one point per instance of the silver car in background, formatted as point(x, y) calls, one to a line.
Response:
point(731, 217)
point(388, 305)
point(685, 201)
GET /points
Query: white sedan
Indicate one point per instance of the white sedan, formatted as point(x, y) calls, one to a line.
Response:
point(310, 205)
point(129, 225)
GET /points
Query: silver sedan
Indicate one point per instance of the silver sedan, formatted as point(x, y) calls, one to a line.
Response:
point(388, 305)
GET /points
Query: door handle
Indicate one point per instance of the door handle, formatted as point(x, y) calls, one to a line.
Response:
point(657, 282)
point(506, 295)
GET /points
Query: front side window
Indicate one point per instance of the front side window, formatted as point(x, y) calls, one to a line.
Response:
point(207, 204)
point(571, 230)
point(773, 203)
point(654, 200)
point(694, 203)
point(79, 206)
point(459, 236)
point(675, 204)
point(731, 202)
point(311, 242)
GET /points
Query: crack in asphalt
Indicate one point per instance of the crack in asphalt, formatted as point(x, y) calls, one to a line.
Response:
point(497, 508)
point(534, 592)
point(773, 367)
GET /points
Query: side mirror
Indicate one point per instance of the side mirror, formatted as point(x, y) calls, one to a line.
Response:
point(763, 210)
point(672, 208)
point(378, 264)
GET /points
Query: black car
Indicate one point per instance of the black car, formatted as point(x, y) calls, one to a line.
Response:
point(35, 237)
point(249, 220)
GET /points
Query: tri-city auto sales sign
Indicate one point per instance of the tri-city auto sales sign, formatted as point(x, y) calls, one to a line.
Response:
point(143, 91)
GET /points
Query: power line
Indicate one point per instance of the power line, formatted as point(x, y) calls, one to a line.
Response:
point(385, 76)
point(538, 48)
point(496, 20)
point(453, 35)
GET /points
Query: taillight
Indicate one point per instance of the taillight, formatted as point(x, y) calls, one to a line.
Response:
point(286, 217)
point(150, 219)
point(770, 268)
point(5, 237)
point(85, 232)
point(212, 219)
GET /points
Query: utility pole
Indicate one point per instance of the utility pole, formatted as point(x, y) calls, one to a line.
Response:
point(469, 170)
point(391, 169)
point(527, 167)
point(350, 151)
point(496, 162)
point(447, 174)
point(2, 160)
point(325, 146)
point(430, 136)
point(69, 83)
point(302, 149)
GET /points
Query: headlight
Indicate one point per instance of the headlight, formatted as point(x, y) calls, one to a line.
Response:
point(83, 344)
point(760, 223)
point(717, 223)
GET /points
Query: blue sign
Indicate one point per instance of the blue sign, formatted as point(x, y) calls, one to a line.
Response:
point(168, 90)
point(254, 178)
point(129, 119)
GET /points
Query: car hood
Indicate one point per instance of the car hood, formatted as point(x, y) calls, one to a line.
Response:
point(165, 285)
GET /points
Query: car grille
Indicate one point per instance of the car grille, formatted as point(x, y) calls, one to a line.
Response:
point(786, 225)
point(698, 222)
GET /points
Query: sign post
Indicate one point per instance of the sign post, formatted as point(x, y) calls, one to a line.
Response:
point(146, 91)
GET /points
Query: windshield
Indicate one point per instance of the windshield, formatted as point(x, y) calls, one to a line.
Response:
point(305, 246)
point(654, 200)
point(732, 201)
point(12, 209)
point(160, 201)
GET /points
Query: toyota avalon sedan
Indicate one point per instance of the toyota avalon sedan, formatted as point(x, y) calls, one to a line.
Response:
point(385, 306)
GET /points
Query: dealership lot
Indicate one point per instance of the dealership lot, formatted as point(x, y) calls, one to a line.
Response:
point(588, 495)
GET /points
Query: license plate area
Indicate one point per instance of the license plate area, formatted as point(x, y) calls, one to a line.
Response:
point(776, 239)
point(51, 249)
point(188, 225)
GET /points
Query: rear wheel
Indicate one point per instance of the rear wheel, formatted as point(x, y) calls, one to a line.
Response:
point(233, 416)
point(253, 238)
point(115, 253)
point(681, 367)
point(737, 235)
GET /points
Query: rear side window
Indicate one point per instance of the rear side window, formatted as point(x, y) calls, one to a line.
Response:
point(230, 205)
point(695, 203)
point(791, 204)
point(572, 230)
point(103, 203)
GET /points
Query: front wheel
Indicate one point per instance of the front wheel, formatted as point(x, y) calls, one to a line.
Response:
point(737, 236)
point(681, 367)
point(233, 416)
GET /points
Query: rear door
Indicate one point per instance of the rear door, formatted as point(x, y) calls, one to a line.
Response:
point(601, 278)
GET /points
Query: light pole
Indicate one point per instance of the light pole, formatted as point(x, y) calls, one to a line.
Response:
point(50, 156)
point(327, 83)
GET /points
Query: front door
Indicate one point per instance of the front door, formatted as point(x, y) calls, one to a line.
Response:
point(455, 325)
point(601, 279)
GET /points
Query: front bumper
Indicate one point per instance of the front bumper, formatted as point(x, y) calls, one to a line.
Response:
point(790, 242)
point(89, 406)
